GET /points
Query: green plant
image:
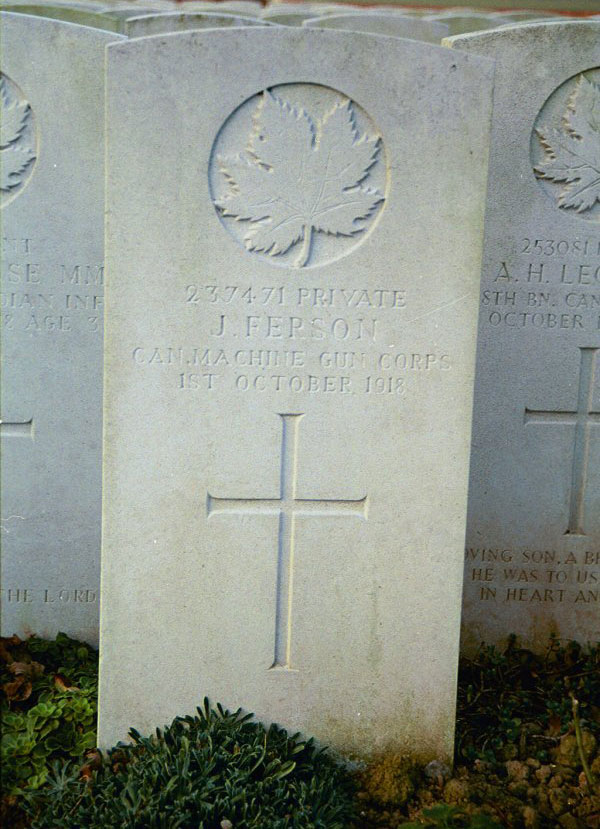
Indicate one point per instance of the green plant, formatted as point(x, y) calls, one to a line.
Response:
point(452, 817)
point(589, 776)
point(516, 703)
point(48, 707)
point(214, 769)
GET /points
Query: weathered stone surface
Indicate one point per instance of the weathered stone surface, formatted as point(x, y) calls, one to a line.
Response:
point(52, 253)
point(533, 540)
point(381, 23)
point(288, 379)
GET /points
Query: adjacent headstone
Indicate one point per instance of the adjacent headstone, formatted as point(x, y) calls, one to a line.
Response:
point(142, 21)
point(339, 8)
point(288, 379)
point(552, 6)
point(51, 95)
point(247, 7)
point(90, 5)
point(152, 24)
point(244, 7)
point(79, 13)
point(285, 18)
point(525, 16)
point(110, 18)
point(394, 25)
point(533, 540)
point(460, 23)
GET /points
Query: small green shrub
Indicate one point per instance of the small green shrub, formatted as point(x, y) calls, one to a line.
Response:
point(507, 697)
point(47, 708)
point(205, 772)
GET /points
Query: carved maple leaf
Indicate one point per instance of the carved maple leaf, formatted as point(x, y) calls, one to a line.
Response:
point(297, 177)
point(573, 152)
point(15, 154)
point(14, 117)
point(13, 162)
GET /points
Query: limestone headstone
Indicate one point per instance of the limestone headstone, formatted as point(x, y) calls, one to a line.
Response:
point(70, 12)
point(244, 7)
point(524, 16)
point(285, 18)
point(111, 18)
point(52, 284)
point(151, 24)
point(533, 541)
point(288, 379)
point(381, 23)
point(551, 6)
point(339, 8)
point(508, 23)
point(464, 22)
point(23, 5)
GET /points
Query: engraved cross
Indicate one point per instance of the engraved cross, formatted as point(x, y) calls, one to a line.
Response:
point(17, 429)
point(583, 419)
point(287, 506)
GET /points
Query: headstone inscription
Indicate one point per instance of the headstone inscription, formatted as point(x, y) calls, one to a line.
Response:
point(51, 94)
point(533, 540)
point(280, 351)
point(394, 25)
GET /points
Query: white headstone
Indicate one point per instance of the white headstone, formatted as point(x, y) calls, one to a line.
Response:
point(111, 18)
point(152, 24)
point(288, 379)
point(384, 24)
point(533, 541)
point(52, 284)
point(458, 23)
point(285, 18)
point(244, 7)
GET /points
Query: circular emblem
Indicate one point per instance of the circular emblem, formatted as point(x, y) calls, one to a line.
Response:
point(565, 146)
point(298, 175)
point(17, 140)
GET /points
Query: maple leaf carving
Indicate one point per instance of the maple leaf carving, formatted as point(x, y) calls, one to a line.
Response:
point(13, 162)
point(15, 154)
point(297, 178)
point(14, 118)
point(573, 152)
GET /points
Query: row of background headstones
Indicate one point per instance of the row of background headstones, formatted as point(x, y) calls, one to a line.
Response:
point(61, 543)
point(138, 19)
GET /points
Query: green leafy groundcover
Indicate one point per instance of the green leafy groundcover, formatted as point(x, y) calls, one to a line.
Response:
point(527, 755)
point(48, 707)
point(217, 769)
point(513, 702)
